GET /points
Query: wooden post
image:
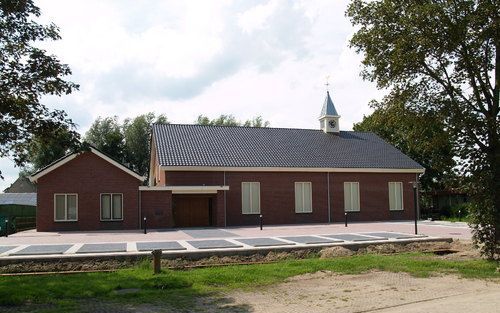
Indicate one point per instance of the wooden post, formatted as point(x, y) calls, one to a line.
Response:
point(156, 261)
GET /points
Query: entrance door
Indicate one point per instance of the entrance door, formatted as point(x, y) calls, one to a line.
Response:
point(192, 211)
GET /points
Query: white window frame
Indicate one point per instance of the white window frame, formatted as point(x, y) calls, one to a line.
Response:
point(350, 184)
point(111, 208)
point(65, 207)
point(300, 207)
point(250, 193)
point(389, 191)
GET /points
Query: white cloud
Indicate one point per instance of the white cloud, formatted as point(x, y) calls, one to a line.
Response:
point(185, 58)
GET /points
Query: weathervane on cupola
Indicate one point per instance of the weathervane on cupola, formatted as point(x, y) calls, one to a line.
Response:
point(329, 118)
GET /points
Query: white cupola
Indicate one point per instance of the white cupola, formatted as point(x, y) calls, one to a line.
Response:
point(329, 118)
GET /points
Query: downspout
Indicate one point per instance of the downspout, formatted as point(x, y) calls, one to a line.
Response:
point(140, 208)
point(417, 177)
point(225, 219)
point(328, 195)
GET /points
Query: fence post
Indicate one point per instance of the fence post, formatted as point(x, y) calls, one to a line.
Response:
point(156, 261)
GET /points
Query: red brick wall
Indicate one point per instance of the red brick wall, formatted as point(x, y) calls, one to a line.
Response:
point(156, 206)
point(87, 175)
point(278, 198)
point(194, 178)
point(374, 196)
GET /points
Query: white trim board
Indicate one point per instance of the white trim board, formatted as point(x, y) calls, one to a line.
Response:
point(291, 169)
point(65, 160)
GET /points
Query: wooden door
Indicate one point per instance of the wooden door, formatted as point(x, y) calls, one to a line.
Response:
point(191, 211)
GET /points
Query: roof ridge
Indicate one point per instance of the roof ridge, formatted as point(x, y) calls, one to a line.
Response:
point(252, 127)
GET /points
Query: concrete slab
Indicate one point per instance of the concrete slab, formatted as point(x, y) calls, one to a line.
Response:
point(213, 244)
point(208, 233)
point(102, 247)
point(310, 239)
point(394, 235)
point(6, 248)
point(43, 250)
point(353, 237)
point(164, 245)
point(264, 242)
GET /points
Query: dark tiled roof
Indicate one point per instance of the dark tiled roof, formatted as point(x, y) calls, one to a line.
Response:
point(223, 146)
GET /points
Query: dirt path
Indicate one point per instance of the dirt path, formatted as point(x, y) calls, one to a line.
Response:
point(373, 292)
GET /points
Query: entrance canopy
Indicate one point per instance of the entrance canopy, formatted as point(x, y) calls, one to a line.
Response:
point(185, 189)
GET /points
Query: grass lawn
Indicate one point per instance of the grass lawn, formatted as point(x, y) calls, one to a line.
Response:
point(180, 288)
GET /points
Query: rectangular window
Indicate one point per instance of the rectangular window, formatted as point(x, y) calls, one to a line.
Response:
point(65, 207)
point(395, 196)
point(111, 206)
point(303, 197)
point(351, 196)
point(250, 198)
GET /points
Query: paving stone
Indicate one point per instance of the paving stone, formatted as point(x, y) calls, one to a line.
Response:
point(353, 237)
point(395, 235)
point(208, 233)
point(264, 242)
point(43, 249)
point(102, 248)
point(163, 245)
point(310, 239)
point(213, 244)
point(6, 248)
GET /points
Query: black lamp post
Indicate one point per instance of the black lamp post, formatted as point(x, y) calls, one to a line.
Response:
point(6, 228)
point(145, 225)
point(260, 217)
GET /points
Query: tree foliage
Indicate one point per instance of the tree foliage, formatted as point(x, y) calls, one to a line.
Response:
point(420, 135)
point(230, 120)
point(27, 73)
point(137, 133)
point(43, 150)
point(106, 135)
point(447, 53)
point(129, 142)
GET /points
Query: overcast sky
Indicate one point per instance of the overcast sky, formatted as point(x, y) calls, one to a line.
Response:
point(185, 58)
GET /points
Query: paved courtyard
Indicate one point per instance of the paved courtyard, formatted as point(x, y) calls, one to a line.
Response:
point(32, 244)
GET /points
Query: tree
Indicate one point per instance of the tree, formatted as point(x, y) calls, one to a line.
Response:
point(230, 120)
point(27, 73)
point(447, 53)
point(403, 127)
point(137, 133)
point(257, 122)
point(105, 134)
point(43, 150)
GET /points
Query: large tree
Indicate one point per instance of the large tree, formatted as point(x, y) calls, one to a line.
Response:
point(106, 135)
point(230, 120)
point(28, 72)
point(137, 133)
point(46, 149)
point(447, 52)
point(420, 135)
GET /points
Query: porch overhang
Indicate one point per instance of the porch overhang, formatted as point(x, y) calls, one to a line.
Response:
point(185, 189)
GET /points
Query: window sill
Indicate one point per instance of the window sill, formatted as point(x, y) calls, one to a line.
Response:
point(65, 221)
point(112, 220)
point(303, 212)
point(251, 213)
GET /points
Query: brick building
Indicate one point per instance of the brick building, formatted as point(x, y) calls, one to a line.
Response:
point(225, 176)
